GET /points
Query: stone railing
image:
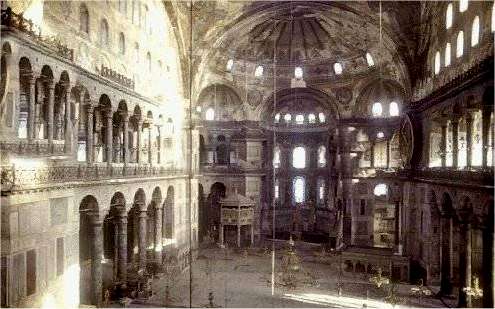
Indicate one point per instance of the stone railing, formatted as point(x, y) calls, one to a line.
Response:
point(232, 168)
point(479, 176)
point(37, 147)
point(17, 21)
point(13, 177)
point(116, 77)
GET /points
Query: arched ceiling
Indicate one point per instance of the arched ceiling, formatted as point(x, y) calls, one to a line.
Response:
point(311, 34)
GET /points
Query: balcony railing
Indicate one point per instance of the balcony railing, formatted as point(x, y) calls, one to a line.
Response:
point(13, 177)
point(17, 21)
point(116, 77)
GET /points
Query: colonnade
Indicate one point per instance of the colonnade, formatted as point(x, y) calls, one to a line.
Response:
point(451, 141)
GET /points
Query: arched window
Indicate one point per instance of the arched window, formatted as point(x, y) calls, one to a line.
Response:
point(136, 52)
point(259, 71)
point(104, 33)
point(460, 44)
point(321, 117)
point(311, 118)
point(489, 154)
point(463, 5)
point(462, 144)
point(449, 152)
point(393, 109)
point(146, 18)
point(276, 157)
point(287, 118)
point(447, 54)
point(299, 157)
point(475, 31)
point(437, 62)
point(121, 43)
point(276, 190)
point(299, 189)
point(376, 109)
point(210, 114)
point(369, 59)
point(476, 140)
point(321, 190)
point(322, 156)
point(298, 72)
point(84, 19)
point(449, 16)
point(230, 65)
point(277, 117)
point(299, 119)
point(380, 134)
point(148, 61)
point(380, 189)
point(337, 67)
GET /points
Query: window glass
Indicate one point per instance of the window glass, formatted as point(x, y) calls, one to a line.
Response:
point(311, 118)
point(337, 67)
point(299, 189)
point(287, 118)
point(447, 54)
point(299, 119)
point(449, 16)
point(321, 117)
point(460, 44)
point(393, 109)
point(322, 160)
point(299, 157)
point(210, 114)
point(376, 109)
point(380, 189)
point(475, 31)
point(369, 59)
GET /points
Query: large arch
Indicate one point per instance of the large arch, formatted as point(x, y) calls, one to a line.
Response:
point(217, 192)
point(168, 215)
point(90, 280)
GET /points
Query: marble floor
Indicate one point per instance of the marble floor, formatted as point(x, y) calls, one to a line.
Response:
point(232, 279)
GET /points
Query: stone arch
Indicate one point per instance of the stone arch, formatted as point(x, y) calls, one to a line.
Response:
point(225, 101)
point(25, 74)
point(4, 74)
point(89, 253)
point(378, 90)
point(218, 191)
point(169, 214)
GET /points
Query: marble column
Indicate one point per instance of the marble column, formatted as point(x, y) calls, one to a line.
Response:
point(485, 130)
point(37, 111)
point(238, 235)
point(252, 235)
point(31, 110)
point(443, 144)
point(96, 268)
point(465, 266)
point(388, 153)
point(67, 121)
point(447, 254)
point(346, 172)
point(122, 244)
point(138, 140)
point(109, 137)
point(158, 232)
point(89, 134)
point(221, 234)
point(455, 142)
point(142, 236)
point(488, 264)
point(150, 133)
point(469, 138)
point(372, 153)
point(51, 103)
point(125, 119)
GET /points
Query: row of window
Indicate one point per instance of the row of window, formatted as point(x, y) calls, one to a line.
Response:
point(475, 38)
point(299, 157)
point(298, 71)
point(136, 14)
point(299, 190)
point(377, 109)
point(104, 37)
point(301, 118)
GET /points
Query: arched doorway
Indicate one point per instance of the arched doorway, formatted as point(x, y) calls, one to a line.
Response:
point(217, 192)
point(115, 240)
point(90, 246)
